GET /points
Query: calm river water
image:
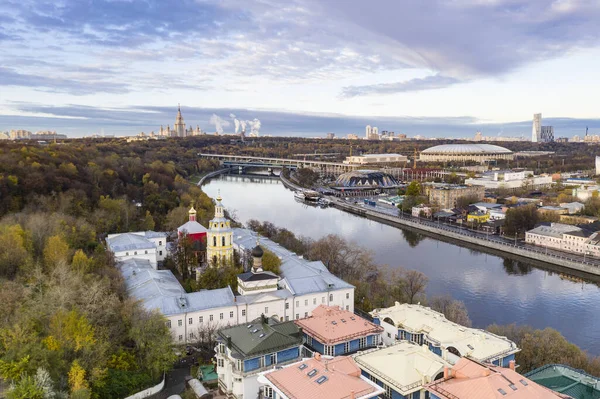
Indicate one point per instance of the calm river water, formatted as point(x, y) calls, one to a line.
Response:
point(495, 290)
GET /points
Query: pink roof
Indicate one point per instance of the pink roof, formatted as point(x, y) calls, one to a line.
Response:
point(471, 380)
point(343, 380)
point(330, 324)
point(192, 227)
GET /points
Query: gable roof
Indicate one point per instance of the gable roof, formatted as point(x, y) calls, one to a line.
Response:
point(260, 336)
point(469, 380)
point(336, 378)
point(330, 325)
point(567, 380)
point(160, 289)
point(192, 227)
point(128, 242)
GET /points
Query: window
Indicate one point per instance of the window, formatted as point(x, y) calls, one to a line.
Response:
point(305, 314)
point(181, 337)
point(160, 252)
point(314, 301)
point(297, 316)
point(287, 318)
point(362, 342)
point(389, 335)
point(210, 317)
point(222, 241)
point(309, 340)
point(388, 391)
point(220, 316)
point(160, 243)
point(266, 310)
point(348, 307)
point(321, 379)
point(306, 302)
point(330, 297)
point(273, 358)
point(287, 305)
point(268, 392)
point(329, 350)
point(243, 312)
point(192, 335)
point(126, 253)
point(502, 391)
point(168, 323)
point(146, 252)
point(347, 295)
point(297, 303)
point(214, 241)
point(201, 319)
point(347, 347)
point(179, 322)
point(190, 321)
point(323, 300)
point(231, 314)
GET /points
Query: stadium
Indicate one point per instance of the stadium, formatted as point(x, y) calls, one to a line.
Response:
point(465, 152)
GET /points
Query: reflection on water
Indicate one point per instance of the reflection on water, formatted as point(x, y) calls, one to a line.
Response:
point(495, 290)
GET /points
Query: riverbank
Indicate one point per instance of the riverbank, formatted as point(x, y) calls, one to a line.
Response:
point(441, 231)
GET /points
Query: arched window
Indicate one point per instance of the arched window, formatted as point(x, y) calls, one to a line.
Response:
point(214, 241)
point(223, 241)
point(214, 259)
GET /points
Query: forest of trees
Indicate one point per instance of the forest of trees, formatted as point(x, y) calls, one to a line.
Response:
point(68, 328)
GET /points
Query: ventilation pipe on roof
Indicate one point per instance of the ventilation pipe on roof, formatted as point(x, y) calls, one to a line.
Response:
point(511, 365)
point(446, 372)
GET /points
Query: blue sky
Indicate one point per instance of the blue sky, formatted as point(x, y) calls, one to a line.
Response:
point(303, 67)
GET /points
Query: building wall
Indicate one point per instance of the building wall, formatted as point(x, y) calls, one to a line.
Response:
point(463, 157)
point(147, 254)
point(446, 198)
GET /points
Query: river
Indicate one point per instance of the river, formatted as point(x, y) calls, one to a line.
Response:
point(494, 289)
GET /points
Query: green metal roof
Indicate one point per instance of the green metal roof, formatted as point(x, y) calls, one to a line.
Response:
point(567, 380)
point(261, 336)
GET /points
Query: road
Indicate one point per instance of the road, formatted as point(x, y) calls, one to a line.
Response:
point(393, 211)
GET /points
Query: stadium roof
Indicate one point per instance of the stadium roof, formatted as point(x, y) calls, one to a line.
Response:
point(466, 149)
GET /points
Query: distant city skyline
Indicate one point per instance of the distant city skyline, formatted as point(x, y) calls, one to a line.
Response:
point(432, 67)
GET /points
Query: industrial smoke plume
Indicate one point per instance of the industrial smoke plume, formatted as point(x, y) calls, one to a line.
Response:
point(219, 123)
point(240, 125)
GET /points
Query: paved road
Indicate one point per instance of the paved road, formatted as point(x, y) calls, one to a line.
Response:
point(392, 211)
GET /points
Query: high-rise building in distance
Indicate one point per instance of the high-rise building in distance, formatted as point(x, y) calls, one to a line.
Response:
point(371, 133)
point(547, 134)
point(536, 132)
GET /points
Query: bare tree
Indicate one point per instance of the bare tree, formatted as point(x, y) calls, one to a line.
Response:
point(414, 285)
point(453, 309)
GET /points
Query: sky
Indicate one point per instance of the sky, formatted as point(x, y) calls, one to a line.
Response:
point(437, 68)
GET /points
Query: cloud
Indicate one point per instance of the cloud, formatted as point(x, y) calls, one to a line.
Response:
point(418, 84)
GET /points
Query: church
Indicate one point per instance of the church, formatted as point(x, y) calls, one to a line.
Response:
point(179, 129)
point(300, 287)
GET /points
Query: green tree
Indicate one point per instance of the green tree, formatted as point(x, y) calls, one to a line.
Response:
point(153, 341)
point(413, 189)
point(25, 388)
point(520, 219)
point(271, 262)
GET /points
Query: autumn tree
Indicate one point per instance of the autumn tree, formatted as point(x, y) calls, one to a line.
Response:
point(270, 262)
point(414, 285)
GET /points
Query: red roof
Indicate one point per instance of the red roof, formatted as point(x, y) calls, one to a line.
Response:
point(471, 380)
point(330, 325)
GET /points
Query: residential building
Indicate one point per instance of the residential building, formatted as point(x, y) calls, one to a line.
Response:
point(445, 196)
point(585, 192)
point(219, 238)
point(319, 377)
point(370, 159)
point(149, 245)
point(547, 134)
point(245, 350)
point(352, 136)
point(468, 379)
point(510, 179)
point(577, 219)
point(421, 210)
point(402, 369)
point(566, 380)
point(20, 134)
point(565, 237)
point(536, 131)
point(330, 136)
point(424, 326)
point(371, 133)
point(572, 207)
point(333, 331)
point(552, 210)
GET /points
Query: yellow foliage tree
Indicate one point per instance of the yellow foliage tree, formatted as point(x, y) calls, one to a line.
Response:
point(77, 379)
point(80, 261)
point(56, 251)
point(72, 330)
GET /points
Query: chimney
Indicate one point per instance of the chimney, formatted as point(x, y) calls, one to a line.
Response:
point(352, 396)
point(446, 372)
point(317, 356)
point(511, 365)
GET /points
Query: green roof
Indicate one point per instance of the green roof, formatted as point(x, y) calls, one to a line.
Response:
point(567, 380)
point(261, 336)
